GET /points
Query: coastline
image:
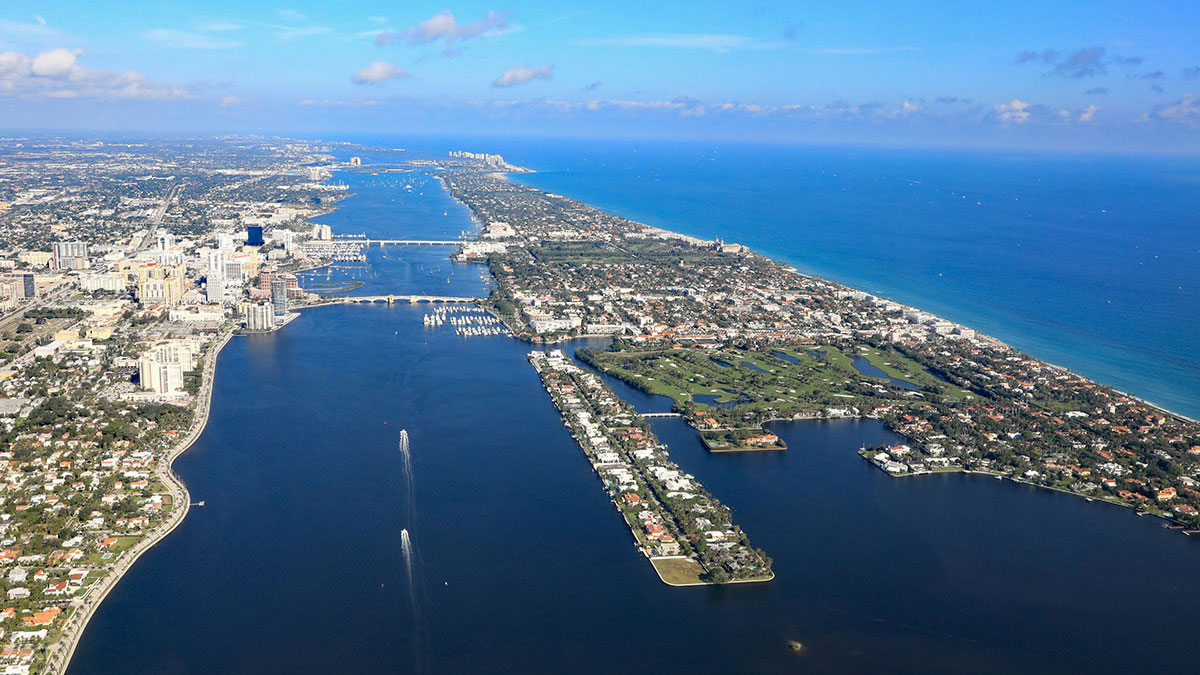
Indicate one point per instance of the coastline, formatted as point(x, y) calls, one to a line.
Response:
point(1020, 481)
point(59, 657)
point(982, 336)
point(818, 276)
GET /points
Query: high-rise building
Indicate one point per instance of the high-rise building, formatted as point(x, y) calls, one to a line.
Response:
point(214, 285)
point(69, 255)
point(28, 285)
point(322, 232)
point(166, 241)
point(214, 289)
point(235, 273)
point(254, 235)
point(265, 277)
point(285, 238)
point(161, 284)
point(279, 296)
point(216, 263)
point(356, 161)
point(260, 316)
point(292, 285)
point(158, 377)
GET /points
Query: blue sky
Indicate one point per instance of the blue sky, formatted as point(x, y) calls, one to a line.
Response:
point(1099, 75)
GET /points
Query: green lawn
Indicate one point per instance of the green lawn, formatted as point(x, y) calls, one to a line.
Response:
point(678, 571)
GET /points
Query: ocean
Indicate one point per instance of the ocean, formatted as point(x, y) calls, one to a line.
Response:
point(1087, 261)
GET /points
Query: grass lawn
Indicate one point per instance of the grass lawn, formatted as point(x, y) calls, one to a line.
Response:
point(678, 571)
point(903, 368)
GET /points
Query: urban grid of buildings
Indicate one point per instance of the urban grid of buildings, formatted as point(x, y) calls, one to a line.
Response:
point(123, 268)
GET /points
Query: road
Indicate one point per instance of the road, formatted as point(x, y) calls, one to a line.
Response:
point(159, 213)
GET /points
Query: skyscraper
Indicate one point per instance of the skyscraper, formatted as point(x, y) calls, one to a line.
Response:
point(254, 235)
point(260, 316)
point(70, 255)
point(279, 296)
point(28, 285)
point(214, 288)
point(158, 377)
point(166, 241)
point(266, 276)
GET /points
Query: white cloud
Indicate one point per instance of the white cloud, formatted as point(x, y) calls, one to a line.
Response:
point(229, 101)
point(55, 63)
point(179, 39)
point(296, 32)
point(684, 106)
point(717, 42)
point(285, 32)
point(1016, 111)
point(1185, 111)
point(1088, 113)
point(58, 74)
point(443, 26)
point(523, 74)
point(221, 26)
point(377, 72)
point(858, 51)
point(338, 102)
point(906, 109)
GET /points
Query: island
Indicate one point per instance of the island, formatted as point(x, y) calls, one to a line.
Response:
point(687, 535)
point(738, 341)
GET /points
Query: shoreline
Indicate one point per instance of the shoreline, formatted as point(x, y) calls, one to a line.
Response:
point(999, 476)
point(815, 275)
point(59, 657)
point(693, 584)
point(1057, 367)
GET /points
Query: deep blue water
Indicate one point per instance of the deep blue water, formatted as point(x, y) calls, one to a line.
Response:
point(1091, 262)
point(521, 564)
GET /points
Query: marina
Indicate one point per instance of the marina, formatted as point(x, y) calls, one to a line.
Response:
point(466, 321)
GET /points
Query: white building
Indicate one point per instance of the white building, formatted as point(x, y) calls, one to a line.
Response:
point(70, 255)
point(102, 282)
point(160, 378)
point(260, 316)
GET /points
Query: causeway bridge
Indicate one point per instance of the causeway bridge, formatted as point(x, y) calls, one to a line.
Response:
point(402, 242)
point(411, 299)
point(661, 414)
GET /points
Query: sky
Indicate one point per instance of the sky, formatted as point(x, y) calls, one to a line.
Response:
point(1099, 75)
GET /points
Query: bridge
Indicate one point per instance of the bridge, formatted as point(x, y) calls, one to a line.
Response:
point(411, 299)
point(667, 414)
point(403, 242)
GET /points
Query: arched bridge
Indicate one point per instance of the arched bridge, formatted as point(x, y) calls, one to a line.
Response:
point(412, 299)
point(403, 242)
